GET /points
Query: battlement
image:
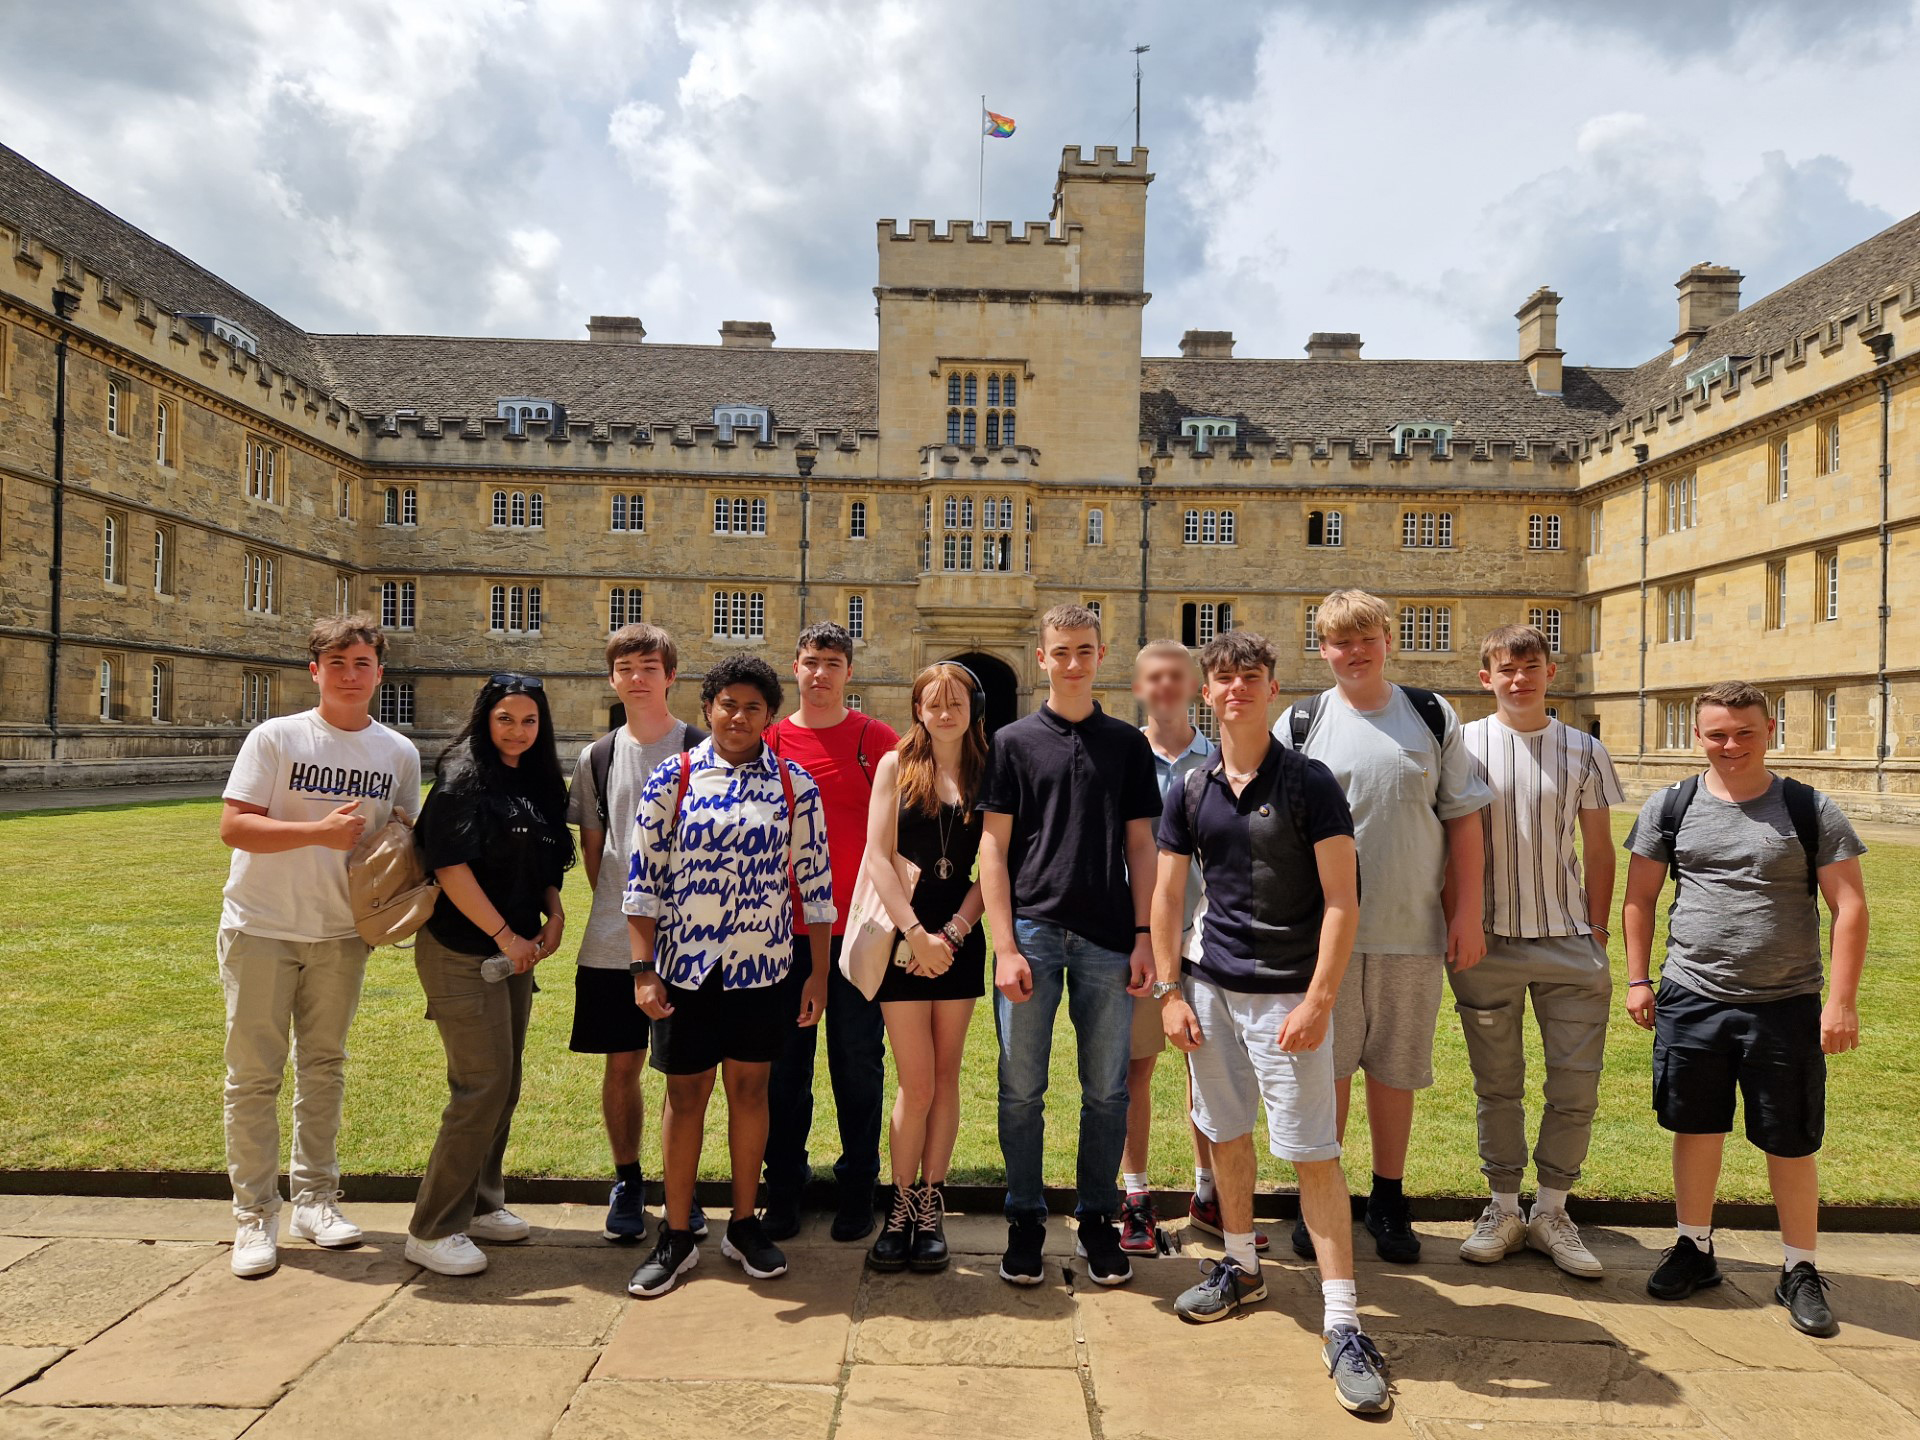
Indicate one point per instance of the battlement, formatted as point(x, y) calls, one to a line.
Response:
point(617, 447)
point(1106, 164)
point(967, 464)
point(998, 232)
point(1316, 459)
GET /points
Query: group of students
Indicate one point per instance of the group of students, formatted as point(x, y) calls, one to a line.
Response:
point(1285, 908)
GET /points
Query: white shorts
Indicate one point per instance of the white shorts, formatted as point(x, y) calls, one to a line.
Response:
point(1240, 1062)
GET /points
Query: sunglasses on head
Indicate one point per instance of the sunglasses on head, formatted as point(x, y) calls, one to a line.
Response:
point(516, 680)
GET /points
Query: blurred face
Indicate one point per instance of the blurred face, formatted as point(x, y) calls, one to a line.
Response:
point(1166, 685)
point(1239, 695)
point(641, 681)
point(822, 676)
point(946, 709)
point(738, 716)
point(348, 676)
point(1070, 658)
point(1736, 741)
point(1356, 658)
point(1519, 682)
point(514, 723)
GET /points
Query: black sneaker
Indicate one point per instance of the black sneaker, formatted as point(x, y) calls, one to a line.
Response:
point(1390, 1223)
point(1683, 1269)
point(674, 1255)
point(854, 1219)
point(1099, 1244)
point(1803, 1291)
point(929, 1230)
point(1302, 1239)
point(891, 1251)
point(626, 1219)
point(746, 1241)
point(1025, 1260)
point(781, 1219)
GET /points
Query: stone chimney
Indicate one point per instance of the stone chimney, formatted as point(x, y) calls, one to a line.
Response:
point(1539, 320)
point(615, 329)
point(746, 335)
point(1333, 345)
point(1207, 345)
point(1708, 295)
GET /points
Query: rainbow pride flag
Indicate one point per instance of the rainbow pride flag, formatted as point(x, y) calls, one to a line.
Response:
point(998, 126)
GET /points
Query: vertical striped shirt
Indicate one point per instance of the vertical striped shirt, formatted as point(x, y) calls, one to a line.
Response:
point(1541, 781)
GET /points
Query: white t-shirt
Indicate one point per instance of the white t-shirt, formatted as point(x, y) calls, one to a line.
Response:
point(604, 944)
point(298, 767)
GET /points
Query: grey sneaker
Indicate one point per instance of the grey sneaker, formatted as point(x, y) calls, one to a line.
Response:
point(1224, 1287)
point(1359, 1374)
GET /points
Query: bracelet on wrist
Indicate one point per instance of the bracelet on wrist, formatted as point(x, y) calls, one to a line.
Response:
point(916, 926)
point(1648, 983)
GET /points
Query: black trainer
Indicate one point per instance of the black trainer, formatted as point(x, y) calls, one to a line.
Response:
point(1302, 1239)
point(1099, 1243)
point(674, 1254)
point(1390, 1223)
point(854, 1219)
point(1803, 1291)
point(929, 1230)
point(781, 1219)
point(1025, 1260)
point(894, 1245)
point(746, 1241)
point(1683, 1269)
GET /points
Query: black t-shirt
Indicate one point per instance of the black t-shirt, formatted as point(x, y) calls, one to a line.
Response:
point(1071, 787)
point(1260, 930)
point(513, 849)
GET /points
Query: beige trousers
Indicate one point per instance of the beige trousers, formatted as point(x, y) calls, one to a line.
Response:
point(310, 988)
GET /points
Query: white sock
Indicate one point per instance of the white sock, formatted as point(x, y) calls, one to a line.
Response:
point(1547, 1202)
point(1795, 1255)
point(1135, 1184)
point(1701, 1235)
point(1342, 1302)
point(1202, 1184)
point(1240, 1250)
point(1508, 1201)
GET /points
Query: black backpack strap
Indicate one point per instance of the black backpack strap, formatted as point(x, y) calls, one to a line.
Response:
point(1803, 808)
point(1432, 709)
point(1673, 810)
point(860, 752)
point(694, 736)
point(1192, 789)
point(600, 766)
point(1300, 719)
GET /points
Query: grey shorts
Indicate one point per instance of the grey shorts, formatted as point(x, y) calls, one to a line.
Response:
point(1384, 1020)
point(1240, 1064)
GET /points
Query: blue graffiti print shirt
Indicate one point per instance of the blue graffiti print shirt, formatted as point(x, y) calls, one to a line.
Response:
point(717, 881)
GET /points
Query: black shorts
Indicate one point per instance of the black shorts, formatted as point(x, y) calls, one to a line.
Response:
point(1705, 1051)
point(605, 1019)
point(713, 1023)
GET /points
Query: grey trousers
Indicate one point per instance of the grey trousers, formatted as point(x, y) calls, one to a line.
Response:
point(310, 988)
point(1572, 992)
point(483, 1028)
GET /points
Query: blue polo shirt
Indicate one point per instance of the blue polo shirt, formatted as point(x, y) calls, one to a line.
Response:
point(1168, 772)
point(1260, 931)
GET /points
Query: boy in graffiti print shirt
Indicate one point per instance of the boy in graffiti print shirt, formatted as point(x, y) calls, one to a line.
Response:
point(710, 906)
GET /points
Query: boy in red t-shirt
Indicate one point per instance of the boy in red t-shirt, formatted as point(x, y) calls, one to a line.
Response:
point(840, 748)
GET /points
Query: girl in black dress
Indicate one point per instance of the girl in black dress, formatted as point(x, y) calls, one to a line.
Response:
point(922, 811)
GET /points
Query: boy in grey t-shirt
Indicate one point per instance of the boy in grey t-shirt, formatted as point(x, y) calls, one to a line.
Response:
point(1738, 1007)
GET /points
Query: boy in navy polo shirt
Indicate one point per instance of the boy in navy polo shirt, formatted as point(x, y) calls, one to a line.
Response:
point(1252, 1004)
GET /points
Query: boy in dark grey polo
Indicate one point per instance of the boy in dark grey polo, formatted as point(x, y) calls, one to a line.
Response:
point(1738, 1010)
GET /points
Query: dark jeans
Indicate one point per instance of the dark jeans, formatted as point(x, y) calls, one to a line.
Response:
point(857, 1070)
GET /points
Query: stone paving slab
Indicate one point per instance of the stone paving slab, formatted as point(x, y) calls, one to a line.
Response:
point(68, 1292)
point(28, 1422)
point(20, 1363)
point(1531, 1382)
point(528, 1296)
point(697, 1410)
point(1771, 1404)
point(219, 1340)
point(104, 1217)
point(967, 1315)
point(1894, 1373)
point(14, 1248)
point(1873, 1310)
point(429, 1392)
point(1522, 1430)
point(1512, 1298)
point(1717, 1329)
point(962, 1402)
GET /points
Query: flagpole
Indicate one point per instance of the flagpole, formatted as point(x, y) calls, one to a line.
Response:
point(980, 196)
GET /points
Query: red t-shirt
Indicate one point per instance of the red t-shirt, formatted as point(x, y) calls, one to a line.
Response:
point(832, 758)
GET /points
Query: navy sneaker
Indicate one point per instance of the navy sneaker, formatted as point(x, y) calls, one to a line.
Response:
point(697, 1222)
point(1224, 1287)
point(626, 1220)
point(1099, 1246)
point(1389, 1220)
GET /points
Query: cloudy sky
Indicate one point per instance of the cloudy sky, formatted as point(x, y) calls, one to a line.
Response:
point(1409, 170)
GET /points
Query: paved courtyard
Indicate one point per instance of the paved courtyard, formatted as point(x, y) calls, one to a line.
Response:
point(120, 1318)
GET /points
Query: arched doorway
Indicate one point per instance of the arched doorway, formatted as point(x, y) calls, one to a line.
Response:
point(1001, 684)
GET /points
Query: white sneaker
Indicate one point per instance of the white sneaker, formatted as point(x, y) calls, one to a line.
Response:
point(451, 1255)
point(1496, 1235)
point(323, 1224)
point(256, 1251)
point(502, 1227)
point(1553, 1234)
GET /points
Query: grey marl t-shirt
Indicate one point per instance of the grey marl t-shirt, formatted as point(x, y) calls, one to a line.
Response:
point(1743, 928)
point(603, 943)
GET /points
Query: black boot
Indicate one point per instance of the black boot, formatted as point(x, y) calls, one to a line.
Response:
point(895, 1243)
point(929, 1229)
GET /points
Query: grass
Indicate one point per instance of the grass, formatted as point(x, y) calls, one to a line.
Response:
point(110, 1056)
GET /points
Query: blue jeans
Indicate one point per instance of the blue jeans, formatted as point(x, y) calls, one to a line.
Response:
point(1095, 982)
point(857, 1071)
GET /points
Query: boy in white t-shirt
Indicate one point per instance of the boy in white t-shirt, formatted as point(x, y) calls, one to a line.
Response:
point(304, 789)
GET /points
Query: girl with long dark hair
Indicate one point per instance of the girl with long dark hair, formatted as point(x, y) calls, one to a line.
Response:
point(922, 811)
point(494, 833)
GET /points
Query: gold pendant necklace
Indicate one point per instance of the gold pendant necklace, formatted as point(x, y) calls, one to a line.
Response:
point(943, 867)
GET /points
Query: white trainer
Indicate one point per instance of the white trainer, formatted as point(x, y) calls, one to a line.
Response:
point(1496, 1235)
point(1553, 1234)
point(256, 1251)
point(450, 1255)
point(502, 1227)
point(323, 1224)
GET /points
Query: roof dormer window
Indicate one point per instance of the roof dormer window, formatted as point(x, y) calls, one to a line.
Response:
point(1410, 430)
point(518, 410)
point(1713, 370)
point(744, 422)
point(1207, 428)
point(231, 331)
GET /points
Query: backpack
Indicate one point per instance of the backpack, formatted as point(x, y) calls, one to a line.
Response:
point(859, 748)
point(1803, 809)
point(786, 788)
point(390, 891)
point(1431, 707)
point(600, 766)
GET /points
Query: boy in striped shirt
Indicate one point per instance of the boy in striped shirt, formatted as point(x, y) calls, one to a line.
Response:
point(1546, 938)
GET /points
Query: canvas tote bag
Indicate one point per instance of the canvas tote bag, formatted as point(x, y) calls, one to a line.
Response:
point(868, 947)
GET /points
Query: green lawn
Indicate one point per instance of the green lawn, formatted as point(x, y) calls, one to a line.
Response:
point(110, 1056)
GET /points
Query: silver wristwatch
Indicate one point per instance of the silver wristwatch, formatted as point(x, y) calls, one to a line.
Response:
point(1164, 988)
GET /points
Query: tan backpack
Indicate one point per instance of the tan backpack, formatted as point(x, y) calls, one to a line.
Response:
point(391, 892)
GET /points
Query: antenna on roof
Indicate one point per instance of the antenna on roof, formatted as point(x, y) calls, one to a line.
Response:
point(1138, 51)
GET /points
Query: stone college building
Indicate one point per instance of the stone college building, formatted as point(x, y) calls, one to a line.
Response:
point(188, 478)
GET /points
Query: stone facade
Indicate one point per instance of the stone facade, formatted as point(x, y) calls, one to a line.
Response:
point(222, 476)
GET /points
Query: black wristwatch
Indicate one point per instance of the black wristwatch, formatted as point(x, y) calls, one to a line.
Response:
point(643, 967)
